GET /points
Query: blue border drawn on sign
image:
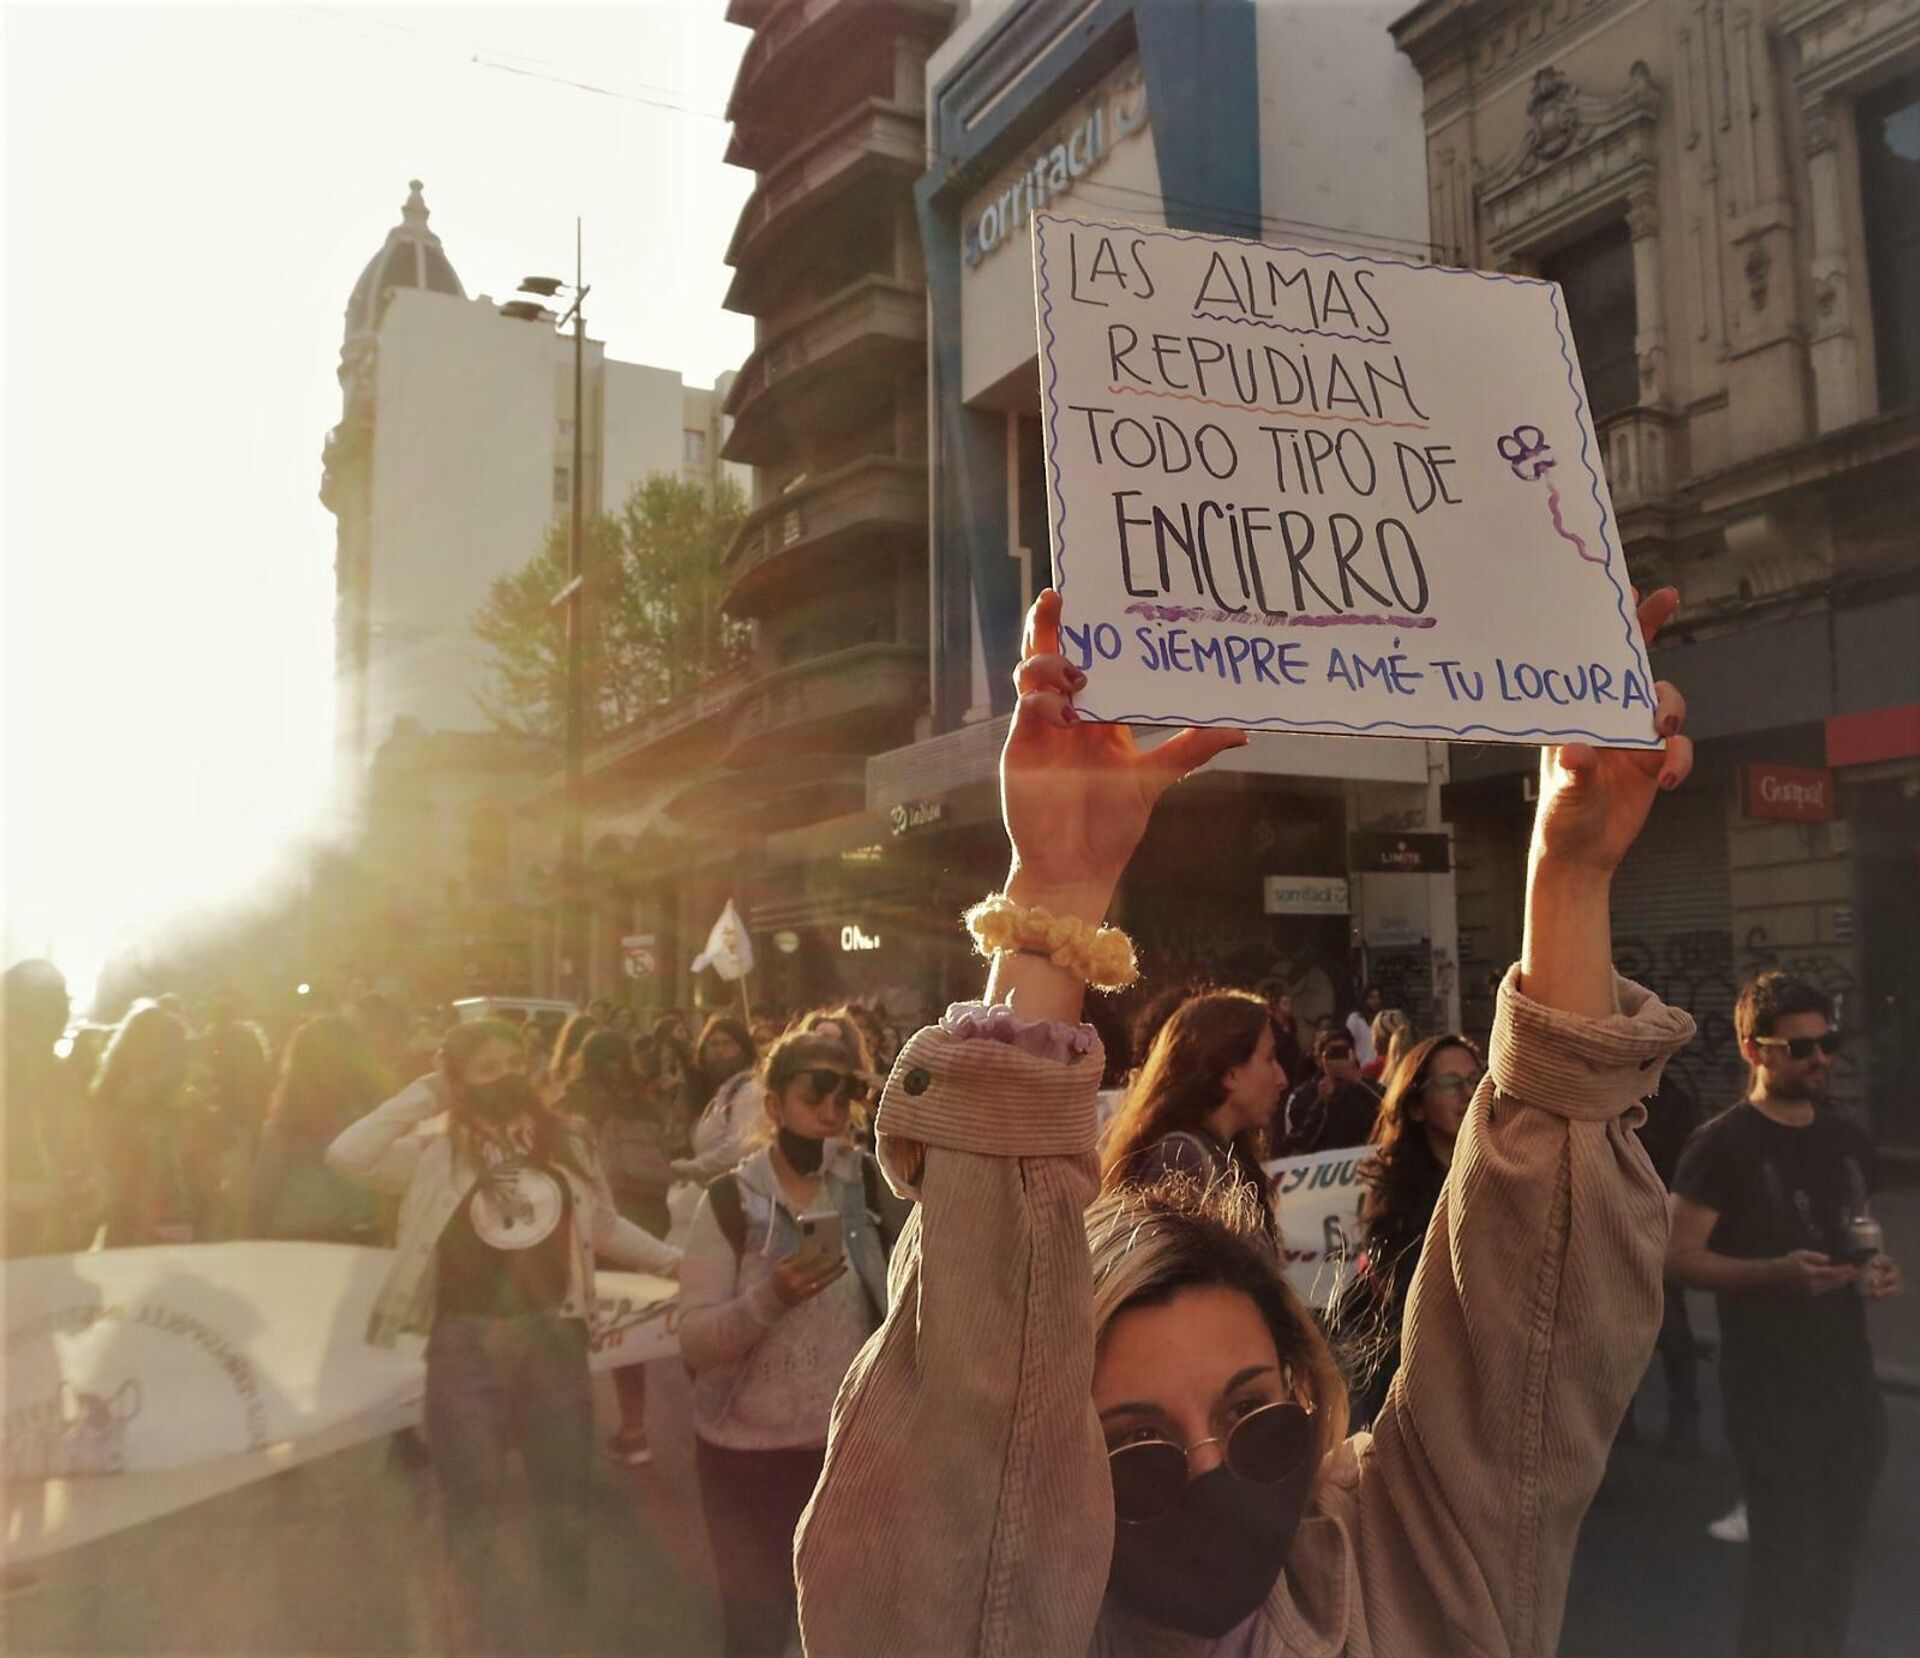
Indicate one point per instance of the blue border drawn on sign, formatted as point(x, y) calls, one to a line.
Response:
point(1043, 296)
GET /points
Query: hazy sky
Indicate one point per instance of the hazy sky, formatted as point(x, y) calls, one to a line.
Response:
point(190, 194)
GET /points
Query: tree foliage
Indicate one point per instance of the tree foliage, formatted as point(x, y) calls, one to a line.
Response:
point(653, 628)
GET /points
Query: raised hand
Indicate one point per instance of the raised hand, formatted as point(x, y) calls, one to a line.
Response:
point(1076, 796)
point(1594, 801)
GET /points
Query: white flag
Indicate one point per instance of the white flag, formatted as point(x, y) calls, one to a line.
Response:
point(729, 951)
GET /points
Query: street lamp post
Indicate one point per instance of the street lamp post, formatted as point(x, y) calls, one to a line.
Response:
point(573, 913)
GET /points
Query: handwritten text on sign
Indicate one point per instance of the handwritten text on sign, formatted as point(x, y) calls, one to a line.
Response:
point(1312, 492)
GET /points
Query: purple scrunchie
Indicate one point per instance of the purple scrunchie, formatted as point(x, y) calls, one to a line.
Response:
point(1044, 1038)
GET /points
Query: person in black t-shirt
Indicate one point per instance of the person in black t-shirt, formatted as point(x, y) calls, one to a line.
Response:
point(1761, 1206)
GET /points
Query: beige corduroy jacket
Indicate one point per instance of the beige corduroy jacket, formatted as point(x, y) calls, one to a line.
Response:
point(965, 1506)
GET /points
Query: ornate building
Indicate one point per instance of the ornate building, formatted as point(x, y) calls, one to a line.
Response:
point(1730, 196)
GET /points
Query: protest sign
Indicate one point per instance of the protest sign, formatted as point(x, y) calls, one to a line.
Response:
point(1306, 491)
point(1317, 1198)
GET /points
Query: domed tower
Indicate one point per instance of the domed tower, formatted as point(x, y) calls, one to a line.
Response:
point(411, 257)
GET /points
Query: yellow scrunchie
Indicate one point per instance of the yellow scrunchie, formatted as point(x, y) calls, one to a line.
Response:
point(1100, 956)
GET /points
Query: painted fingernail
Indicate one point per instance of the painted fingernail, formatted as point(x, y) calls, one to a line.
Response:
point(1076, 678)
point(1670, 725)
point(1669, 780)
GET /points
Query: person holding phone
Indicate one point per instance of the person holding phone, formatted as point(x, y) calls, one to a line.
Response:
point(785, 1277)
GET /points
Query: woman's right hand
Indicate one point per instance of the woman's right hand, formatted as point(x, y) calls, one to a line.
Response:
point(1075, 795)
point(800, 1277)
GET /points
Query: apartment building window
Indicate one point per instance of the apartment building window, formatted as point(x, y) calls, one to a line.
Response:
point(1890, 205)
point(1597, 276)
point(694, 446)
point(562, 486)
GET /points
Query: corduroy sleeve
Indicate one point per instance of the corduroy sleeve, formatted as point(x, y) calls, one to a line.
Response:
point(965, 1507)
point(1532, 1317)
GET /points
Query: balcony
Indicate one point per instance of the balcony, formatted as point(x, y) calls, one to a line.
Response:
point(872, 504)
point(857, 700)
point(827, 372)
point(781, 795)
point(876, 143)
point(809, 55)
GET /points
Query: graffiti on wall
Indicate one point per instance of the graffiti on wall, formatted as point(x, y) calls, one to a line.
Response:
point(1695, 971)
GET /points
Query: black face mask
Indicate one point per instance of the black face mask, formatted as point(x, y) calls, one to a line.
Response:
point(1213, 1557)
point(502, 1099)
point(803, 1156)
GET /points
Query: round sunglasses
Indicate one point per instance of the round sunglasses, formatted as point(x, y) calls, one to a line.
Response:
point(1263, 1448)
point(842, 1087)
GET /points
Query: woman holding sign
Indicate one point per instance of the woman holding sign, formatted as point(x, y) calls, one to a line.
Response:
point(1114, 1429)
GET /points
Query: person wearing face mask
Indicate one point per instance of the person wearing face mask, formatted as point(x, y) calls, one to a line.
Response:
point(503, 1207)
point(724, 1064)
point(1203, 1102)
point(1413, 1140)
point(784, 1280)
point(1113, 1429)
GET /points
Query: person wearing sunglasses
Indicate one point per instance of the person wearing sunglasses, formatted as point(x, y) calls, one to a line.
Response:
point(1412, 1149)
point(1113, 1428)
point(1765, 1205)
point(783, 1281)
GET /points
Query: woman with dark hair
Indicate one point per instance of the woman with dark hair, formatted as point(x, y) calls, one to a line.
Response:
point(1112, 1429)
point(504, 1208)
point(1413, 1139)
point(770, 1319)
point(328, 1078)
point(723, 1066)
point(142, 1104)
point(1203, 1102)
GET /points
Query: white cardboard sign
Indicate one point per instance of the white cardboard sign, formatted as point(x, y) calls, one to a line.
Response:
point(1303, 491)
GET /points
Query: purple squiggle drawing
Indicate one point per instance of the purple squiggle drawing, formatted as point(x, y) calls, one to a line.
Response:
point(1530, 458)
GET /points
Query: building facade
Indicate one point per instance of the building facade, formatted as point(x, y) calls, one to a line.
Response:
point(452, 460)
point(754, 787)
point(1730, 196)
point(1289, 122)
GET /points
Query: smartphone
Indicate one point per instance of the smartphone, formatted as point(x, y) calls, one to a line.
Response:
point(820, 1235)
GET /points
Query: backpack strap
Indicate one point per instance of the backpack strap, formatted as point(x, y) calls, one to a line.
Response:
point(723, 1196)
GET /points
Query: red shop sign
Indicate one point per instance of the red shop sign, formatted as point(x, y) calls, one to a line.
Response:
point(1800, 794)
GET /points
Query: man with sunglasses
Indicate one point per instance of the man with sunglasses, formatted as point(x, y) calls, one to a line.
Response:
point(1762, 1209)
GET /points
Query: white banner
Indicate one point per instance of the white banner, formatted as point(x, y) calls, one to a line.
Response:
point(141, 1380)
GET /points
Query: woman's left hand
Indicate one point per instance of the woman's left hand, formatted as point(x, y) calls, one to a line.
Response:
point(1594, 801)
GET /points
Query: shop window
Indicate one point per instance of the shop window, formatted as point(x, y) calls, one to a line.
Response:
point(1597, 277)
point(1890, 205)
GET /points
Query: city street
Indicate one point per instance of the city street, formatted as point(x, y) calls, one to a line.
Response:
point(333, 1559)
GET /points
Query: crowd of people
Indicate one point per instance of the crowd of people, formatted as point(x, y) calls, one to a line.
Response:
point(1096, 1416)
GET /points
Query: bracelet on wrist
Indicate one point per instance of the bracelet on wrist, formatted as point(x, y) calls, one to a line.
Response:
point(1100, 957)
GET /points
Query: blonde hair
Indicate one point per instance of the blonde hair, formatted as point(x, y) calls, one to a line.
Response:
point(1392, 1037)
point(1149, 1243)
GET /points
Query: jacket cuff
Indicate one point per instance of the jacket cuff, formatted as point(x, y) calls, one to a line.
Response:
point(991, 1098)
point(1573, 1066)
